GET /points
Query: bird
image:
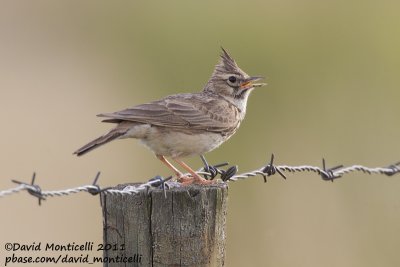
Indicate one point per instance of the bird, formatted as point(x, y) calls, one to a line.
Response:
point(186, 124)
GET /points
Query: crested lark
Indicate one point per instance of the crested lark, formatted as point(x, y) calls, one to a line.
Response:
point(184, 125)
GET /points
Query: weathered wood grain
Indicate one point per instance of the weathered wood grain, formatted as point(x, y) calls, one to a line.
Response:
point(185, 228)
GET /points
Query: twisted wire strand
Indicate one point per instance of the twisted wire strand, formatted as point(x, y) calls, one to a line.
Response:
point(319, 171)
point(265, 171)
point(132, 190)
point(14, 190)
point(360, 168)
point(69, 191)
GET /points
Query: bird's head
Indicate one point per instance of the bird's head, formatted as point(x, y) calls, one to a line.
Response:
point(231, 82)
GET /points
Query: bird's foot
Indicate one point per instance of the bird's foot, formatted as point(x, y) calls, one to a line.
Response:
point(185, 179)
point(203, 181)
point(196, 179)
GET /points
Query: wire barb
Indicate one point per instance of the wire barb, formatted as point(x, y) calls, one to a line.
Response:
point(270, 169)
point(212, 171)
point(395, 168)
point(328, 174)
point(209, 171)
point(230, 172)
point(161, 183)
point(96, 188)
point(32, 188)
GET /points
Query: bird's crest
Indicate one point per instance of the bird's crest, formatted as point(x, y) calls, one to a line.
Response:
point(226, 64)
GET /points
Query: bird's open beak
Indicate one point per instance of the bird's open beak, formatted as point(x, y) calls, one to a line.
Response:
point(249, 83)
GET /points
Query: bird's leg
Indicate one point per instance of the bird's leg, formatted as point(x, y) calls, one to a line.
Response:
point(197, 179)
point(175, 170)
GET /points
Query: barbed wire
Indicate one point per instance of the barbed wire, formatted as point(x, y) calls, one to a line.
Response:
point(209, 172)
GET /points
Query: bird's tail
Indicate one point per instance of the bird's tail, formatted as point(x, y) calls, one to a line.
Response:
point(111, 135)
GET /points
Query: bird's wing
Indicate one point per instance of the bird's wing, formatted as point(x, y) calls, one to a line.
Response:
point(192, 111)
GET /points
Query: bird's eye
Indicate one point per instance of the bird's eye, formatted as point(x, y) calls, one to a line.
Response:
point(232, 79)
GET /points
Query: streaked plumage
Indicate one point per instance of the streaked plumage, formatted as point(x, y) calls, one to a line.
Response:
point(183, 125)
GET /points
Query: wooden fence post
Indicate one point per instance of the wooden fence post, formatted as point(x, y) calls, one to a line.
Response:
point(185, 227)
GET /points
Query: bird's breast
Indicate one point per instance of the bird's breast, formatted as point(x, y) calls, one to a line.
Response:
point(176, 143)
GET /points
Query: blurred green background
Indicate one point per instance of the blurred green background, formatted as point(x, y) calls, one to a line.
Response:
point(333, 91)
